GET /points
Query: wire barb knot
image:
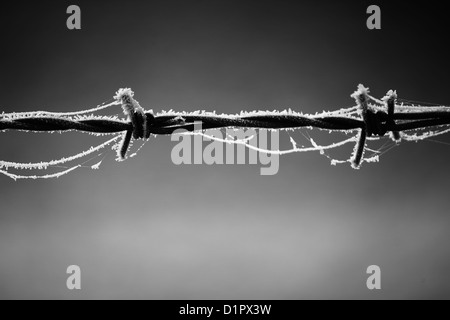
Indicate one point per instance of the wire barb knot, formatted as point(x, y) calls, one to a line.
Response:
point(376, 122)
point(141, 121)
point(390, 100)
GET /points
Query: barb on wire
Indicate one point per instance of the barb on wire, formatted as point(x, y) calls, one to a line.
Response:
point(370, 119)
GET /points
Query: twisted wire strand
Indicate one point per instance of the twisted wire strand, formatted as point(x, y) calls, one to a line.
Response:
point(166, 125)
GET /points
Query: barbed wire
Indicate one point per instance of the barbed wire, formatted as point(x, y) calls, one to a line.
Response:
point(368, 119)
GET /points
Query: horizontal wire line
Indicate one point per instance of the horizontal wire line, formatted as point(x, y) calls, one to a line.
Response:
point(165, 125)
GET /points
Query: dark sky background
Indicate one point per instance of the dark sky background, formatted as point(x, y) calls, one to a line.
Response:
point(149, 229)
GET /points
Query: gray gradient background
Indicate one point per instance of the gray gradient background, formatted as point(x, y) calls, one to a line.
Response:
point(146, 228)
